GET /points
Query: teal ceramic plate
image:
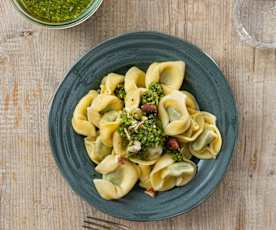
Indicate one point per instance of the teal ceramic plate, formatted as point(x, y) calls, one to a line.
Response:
point(203, 79)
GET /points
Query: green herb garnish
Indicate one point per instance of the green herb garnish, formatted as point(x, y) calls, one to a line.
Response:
point(153, 94)
point(126, 121)
point(120, 91)
point(176, 155)
point(148, 131)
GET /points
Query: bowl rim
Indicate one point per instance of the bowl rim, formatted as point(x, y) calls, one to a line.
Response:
point(87, 13)
point(233, 148)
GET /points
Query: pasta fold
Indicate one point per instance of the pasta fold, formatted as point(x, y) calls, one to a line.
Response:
point(133, 98)
point(149, 157)
point(169, 74)
point(119, 145)
point(167, 173)
point(191, 103)
point(109, 123)
point(208, 144)
point(145, 176)
point(80, 122)
point(135, 78)
point(110, 83)
point(195, 129)
point(174, 114)
point(118, 178)
point(102, 104)
point(96, 150)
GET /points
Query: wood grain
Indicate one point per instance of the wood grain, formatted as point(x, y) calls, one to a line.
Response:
point(33, 60)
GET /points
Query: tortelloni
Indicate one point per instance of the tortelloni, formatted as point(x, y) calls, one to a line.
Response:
point(208, 144)
point(144, 178)
point(133, 98)
point(109, 123)
point(80, 121)
point(150, 156)
point(142, 127)
point(174, 114)
point(135, 79)
point(209, 119)
point(102, 104)
point(118, 178)
point(167, 173)
point(119, 145)
point(169, 74)
point(96, 150)
point(195, 129)
point(110, 83)
point(191, 103)
point(134, 87)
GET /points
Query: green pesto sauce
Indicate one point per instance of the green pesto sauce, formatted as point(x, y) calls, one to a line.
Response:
point(149, 134)
point(120, 91)
point(153, 94)
point(56, 10)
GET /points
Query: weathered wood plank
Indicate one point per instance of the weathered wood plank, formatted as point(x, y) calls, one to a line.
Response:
point(33, 60)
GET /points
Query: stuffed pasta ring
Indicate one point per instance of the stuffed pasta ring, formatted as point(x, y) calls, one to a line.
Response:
point(195, 129)
point(96, 150)
point(133, 98)
point(135, 78)
point(119, 145)
point(174, 114)
point(169, 74)
point(103, 103)
point(191, 103)
point(109, 123)
point(167, 173)
point(110, 83)
point(208, 144)
point(80, 121)
point(145, 176)
point(118, 178)
point(152, 155)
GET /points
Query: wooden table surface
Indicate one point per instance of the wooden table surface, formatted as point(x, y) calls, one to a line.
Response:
point(33, 61)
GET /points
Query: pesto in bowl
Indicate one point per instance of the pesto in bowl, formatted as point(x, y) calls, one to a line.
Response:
point(56, 10)
point(58, 14)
